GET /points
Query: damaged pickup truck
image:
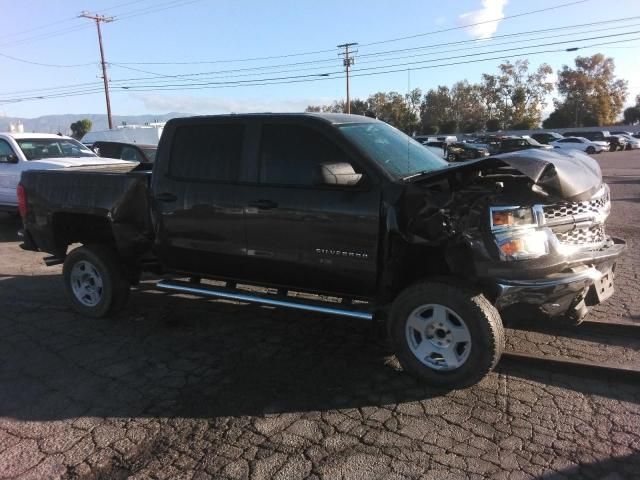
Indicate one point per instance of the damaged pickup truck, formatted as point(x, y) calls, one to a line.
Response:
point(343, 207)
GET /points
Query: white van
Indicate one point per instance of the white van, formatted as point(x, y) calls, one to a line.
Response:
point(39, 151)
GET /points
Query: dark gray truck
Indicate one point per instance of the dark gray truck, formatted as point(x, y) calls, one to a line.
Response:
point(340, 205)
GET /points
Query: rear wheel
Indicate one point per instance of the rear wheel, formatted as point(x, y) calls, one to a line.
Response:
point(446, 334)
point(95, 281)
point(591, 150)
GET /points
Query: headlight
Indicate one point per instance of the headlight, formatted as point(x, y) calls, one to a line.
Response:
point(507, 217)
point(515, 230)
point(524, 244)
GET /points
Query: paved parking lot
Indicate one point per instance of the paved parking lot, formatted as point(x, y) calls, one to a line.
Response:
point(181, 388)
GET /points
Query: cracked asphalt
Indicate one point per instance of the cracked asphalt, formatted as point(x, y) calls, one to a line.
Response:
point(176, 387)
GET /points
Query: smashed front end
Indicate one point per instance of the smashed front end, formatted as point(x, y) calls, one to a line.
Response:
point(529, 227)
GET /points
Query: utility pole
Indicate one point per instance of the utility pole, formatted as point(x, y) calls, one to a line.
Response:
point(347, 61)
point(99, 19)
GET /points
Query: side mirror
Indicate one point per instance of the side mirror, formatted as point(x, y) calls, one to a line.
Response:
point(339, 174)
point(10, 158)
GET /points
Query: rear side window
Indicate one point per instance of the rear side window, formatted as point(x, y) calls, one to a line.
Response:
point(291, 154)
point(206, 152)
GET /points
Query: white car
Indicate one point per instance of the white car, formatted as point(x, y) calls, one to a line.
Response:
point(633, 143)
point(39, 151)
point(582, 144)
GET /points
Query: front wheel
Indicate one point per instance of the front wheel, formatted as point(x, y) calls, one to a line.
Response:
point(591, 150)
point(451, 157)
point(446, 334)
point(95, 281)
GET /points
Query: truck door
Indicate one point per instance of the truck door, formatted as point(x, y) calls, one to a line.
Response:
point(10, 170)
point(199, 222)
point(301, 233)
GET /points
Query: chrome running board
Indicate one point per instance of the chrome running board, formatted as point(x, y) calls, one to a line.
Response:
point(271, 300)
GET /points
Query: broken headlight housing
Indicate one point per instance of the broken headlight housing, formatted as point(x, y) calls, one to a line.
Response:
point(515, 230)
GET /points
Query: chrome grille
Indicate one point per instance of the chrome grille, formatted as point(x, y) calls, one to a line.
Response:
point(583, 236)
point(589, 215)
point(569, 209)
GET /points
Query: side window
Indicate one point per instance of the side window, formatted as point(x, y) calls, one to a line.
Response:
point(206, 152)
point(109, 150)
point(131, 154)
point(6, 151)
point(292, 154)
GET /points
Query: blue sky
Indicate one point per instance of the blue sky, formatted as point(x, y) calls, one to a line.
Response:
point(46, 31)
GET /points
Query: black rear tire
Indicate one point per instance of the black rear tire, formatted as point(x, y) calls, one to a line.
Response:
point(103, 263)
point(472, 308)
point(591, 150)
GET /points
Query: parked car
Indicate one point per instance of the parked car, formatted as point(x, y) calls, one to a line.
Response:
point(582, 144)
point(460, 151)
point(490, 142)
point(126, 151)
point(615, 142)
point(546, 137)
point(513, 144)
point(633, 143)
point(343, 205)
point(20, 152)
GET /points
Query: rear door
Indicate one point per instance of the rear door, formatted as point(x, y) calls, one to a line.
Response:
point(199, 222)
point(300, 233)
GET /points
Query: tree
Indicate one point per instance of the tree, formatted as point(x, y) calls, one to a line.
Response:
point(631, 115)
point(590, 94)
point(516, 97)
point(493, 125)
point(80, 128)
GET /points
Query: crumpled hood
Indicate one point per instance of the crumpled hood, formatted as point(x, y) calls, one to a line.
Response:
point(569, 175)
point(66, 162)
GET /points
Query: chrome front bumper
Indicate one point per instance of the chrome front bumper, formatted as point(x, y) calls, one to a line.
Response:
point(554, 295)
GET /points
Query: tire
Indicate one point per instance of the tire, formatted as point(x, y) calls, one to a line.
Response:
point(95, 281)
point(612, 148)
point(451, 157)
point(591, 150)
point(415, 326)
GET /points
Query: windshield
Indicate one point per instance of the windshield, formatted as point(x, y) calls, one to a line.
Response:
point(396, 152)
point(150, 153)
point(39, 148)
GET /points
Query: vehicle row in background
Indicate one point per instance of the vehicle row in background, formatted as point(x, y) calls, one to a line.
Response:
point(20, 152)
point(470, 148)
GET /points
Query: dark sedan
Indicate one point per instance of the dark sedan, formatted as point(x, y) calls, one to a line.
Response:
point(136, 152)
point(461, 151)
point(513, 144)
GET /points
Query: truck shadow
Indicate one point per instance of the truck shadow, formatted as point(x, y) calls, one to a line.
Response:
point(169, 356)
point(9, 226)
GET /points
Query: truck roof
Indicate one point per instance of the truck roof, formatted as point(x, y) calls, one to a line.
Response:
point(333, 118)
point(18, 136)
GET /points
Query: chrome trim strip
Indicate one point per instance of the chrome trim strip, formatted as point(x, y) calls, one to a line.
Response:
point(244, 297)
point(590, 273)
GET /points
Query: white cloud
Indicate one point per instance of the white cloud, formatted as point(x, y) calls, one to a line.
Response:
point(491, 10)
point(196, 104)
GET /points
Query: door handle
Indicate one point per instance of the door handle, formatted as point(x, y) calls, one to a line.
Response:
point(263, 204)
point(166, 197)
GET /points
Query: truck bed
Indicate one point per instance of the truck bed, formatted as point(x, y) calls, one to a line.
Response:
point(114, 197)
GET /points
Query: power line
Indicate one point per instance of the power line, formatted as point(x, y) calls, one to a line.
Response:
point(320, 78)
point(272, 57)
point(162, 84)
point(508, 17)
point(254, 69)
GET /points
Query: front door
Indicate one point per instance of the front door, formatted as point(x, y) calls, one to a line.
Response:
point(200, 223)
point(301, 233)
point(9, 175)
